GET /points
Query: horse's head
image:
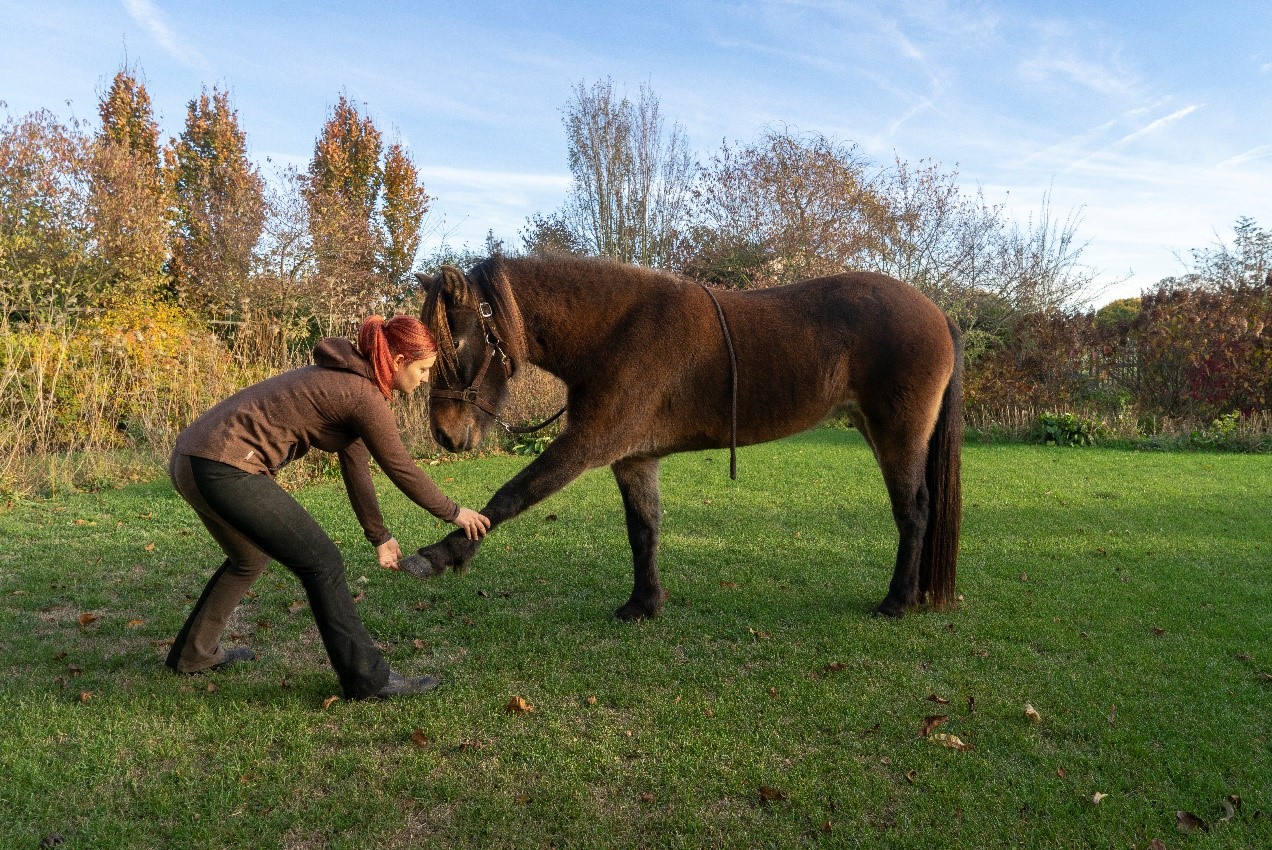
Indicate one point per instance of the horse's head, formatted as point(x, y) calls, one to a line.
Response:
point(470, 381)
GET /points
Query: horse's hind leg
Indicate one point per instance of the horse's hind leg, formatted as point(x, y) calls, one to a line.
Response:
point(637, 479)
point(902, 457)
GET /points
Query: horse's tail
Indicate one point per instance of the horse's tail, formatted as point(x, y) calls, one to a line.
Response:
point(939, 559)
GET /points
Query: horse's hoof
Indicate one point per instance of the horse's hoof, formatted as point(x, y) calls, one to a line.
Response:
point(631, 612)
point(891, 610)
point(419, 566)
point(642, 609)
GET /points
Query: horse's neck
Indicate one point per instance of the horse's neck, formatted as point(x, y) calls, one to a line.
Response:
point(564, 326)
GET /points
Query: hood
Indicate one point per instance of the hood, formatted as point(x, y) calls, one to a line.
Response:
point(338, 353)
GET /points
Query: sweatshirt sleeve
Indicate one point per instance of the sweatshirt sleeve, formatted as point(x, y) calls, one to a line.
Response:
point(379, 432)
point(355, 463)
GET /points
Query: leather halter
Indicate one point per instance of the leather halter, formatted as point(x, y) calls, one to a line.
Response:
point(472, 393)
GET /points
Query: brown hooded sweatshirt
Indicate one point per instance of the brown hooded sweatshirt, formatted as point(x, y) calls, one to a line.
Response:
point(334, 406)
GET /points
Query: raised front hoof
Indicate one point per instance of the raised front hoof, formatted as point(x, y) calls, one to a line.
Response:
point(642, 609)
point(419, 566)
point(890, 609)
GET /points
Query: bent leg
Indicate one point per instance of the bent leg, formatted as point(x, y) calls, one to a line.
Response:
point(277, 524)
point(563, 461)
point(198, 645)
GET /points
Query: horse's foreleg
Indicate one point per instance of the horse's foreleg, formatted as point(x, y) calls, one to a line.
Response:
point(638, 482)
point(560, 463)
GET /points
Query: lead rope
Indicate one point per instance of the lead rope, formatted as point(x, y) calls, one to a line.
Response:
point(733, 376)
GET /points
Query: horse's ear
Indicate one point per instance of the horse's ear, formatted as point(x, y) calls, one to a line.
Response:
point(425, 281)
point(455, 285)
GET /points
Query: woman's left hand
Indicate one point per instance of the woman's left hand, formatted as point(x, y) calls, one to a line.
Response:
point(388, 554)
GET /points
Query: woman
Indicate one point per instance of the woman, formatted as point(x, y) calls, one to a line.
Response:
point(224, 465)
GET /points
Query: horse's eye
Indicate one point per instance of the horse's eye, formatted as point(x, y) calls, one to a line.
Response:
point(458, 343)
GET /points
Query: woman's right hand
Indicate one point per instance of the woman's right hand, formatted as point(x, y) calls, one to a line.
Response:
point(475, 525)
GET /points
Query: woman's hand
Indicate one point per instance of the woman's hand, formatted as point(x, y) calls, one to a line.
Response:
point(475, 525)
point(388, 554)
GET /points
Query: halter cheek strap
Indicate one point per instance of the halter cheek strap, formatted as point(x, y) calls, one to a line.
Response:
point(471, 394)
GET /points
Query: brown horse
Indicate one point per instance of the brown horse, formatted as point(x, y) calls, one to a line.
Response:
point(652, 366)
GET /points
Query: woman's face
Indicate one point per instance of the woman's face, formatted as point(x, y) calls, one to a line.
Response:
point(407, 377)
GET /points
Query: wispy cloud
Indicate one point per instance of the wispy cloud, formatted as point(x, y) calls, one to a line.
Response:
point(1158, 125)
point(1255, 153)
point(1097, 76)
point(155, 22)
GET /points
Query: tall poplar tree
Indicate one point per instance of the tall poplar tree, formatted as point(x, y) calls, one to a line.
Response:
point(220, 209)
point(341, 189)
point(129, 195)
point(364, 214)
point(402, 212)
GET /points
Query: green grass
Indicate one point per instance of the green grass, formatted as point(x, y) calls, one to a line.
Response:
point(1127, 596)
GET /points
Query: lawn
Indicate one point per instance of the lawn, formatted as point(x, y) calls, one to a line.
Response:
point(1125, 596)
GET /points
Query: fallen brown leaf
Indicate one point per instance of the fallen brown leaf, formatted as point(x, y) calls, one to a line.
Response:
point(1061, 772)
point(1098, 797)
point(1188, 823)
point(646, 797)
point(150, 547)
point(932, 721)
point(1157, 632)
point(953, 742)
point(419, 739)
point(836, 666)
point(87, 618)
point(911, 775)
point(518, 705)
point(329, 702)
point(85, 696)
point(1032, 713)
point(297, 606)
point(1157, 844)
point(132, 624)
point(772, 795)
point(938, 700)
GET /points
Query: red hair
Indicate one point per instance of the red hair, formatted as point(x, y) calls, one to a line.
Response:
point(380, 340)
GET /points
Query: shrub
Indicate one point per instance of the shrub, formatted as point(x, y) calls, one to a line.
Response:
point(1068, 429)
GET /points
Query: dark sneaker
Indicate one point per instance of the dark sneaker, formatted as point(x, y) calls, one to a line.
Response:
point(398, 686)
point(233, 656)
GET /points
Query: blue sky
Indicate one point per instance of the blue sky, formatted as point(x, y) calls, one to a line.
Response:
point(1151, 120)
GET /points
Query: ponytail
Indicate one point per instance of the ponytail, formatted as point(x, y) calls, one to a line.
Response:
point(380, 340)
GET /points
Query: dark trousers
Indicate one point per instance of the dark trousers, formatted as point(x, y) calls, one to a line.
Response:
point(255, 521)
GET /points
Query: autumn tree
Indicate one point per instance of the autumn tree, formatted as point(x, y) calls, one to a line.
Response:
point(784, 208)
point(364, 214)
point(402, 212)
point(129, 198)
point(632, 176)
point(44, 237)
point(220, 209)
point(1246, 263)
